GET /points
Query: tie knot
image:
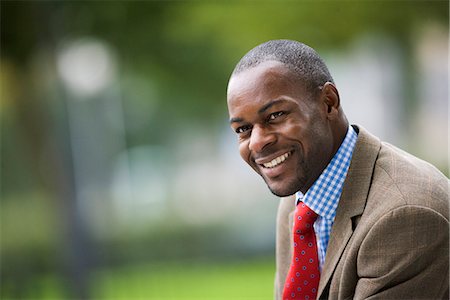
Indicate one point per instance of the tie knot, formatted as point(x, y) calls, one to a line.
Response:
point(304, 218)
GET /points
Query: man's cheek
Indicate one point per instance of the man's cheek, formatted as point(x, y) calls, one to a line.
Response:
point(244, 152)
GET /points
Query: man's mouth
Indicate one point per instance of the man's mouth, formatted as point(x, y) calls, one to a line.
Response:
point(276, 161)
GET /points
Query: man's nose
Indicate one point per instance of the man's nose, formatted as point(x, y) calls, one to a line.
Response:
point(260, 138)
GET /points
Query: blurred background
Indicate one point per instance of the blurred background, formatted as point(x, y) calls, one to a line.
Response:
point(120, 176)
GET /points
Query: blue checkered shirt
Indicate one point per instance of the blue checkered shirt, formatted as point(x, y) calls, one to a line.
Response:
point(323, 196)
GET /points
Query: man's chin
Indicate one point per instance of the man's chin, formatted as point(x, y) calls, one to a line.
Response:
point(282, 191)
point(284, 185)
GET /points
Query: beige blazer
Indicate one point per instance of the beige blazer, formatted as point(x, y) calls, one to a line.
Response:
point(390, 237)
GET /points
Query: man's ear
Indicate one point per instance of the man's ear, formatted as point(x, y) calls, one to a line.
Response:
point(330, 97)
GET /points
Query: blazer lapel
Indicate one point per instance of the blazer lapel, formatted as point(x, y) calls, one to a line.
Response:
point(352, 201)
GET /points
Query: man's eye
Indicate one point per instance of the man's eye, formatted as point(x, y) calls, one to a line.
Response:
point(275, 115)
point(242, 129)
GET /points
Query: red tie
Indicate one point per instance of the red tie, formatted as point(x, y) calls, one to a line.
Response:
point(302, 280)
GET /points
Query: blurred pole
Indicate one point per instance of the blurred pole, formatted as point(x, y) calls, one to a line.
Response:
point(76, 246)
point(95, 136)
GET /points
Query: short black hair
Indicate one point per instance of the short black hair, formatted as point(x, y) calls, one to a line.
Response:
point(298, 57)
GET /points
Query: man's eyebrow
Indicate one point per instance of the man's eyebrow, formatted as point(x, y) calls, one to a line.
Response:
point(261, 110)
point(236, 120)
point(269, 105)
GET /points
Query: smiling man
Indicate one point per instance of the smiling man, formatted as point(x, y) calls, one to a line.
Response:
point(358, 218)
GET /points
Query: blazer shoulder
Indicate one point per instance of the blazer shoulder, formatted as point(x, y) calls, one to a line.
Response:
point(412, 181)
point(382, 177)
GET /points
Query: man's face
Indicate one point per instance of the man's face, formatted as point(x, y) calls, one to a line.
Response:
point(283, 131)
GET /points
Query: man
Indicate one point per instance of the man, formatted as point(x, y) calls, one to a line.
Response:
point(358, 217)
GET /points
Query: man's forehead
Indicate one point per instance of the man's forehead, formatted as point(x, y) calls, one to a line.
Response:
point(269, 66)
point(266, 71)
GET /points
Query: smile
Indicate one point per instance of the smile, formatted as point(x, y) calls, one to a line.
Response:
point(276, 161)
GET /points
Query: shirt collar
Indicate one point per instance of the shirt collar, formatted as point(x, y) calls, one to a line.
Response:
point(323, 196)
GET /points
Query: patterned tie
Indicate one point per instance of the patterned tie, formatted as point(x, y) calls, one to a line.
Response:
point(302, 280)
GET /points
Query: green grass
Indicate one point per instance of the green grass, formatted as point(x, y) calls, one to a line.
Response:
point(245, 280)
point(175, 280)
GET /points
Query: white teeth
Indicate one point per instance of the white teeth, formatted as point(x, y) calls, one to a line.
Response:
point(276, 161)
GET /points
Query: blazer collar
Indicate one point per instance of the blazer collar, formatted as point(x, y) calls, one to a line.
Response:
point(352, 202)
